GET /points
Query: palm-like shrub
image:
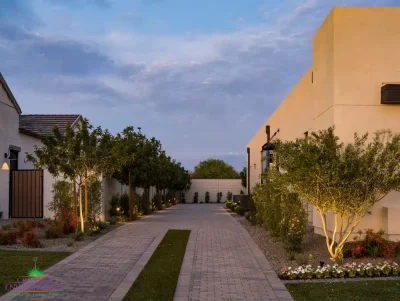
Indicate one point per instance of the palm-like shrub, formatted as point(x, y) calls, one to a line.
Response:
point(207, 197)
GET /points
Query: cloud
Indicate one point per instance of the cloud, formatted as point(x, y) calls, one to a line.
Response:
point(79, 3)
point(201, 95)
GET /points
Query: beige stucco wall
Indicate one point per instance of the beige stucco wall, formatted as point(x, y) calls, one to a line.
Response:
point(355, 51)
point(213, 186)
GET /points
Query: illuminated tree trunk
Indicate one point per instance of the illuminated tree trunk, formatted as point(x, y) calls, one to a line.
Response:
point(75, 206)
point(81, 209)
point(86, 202)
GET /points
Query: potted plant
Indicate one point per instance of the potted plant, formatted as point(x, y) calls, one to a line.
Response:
point(1, 214)
point(207, 197)
point(196, 197)
point(219, 197)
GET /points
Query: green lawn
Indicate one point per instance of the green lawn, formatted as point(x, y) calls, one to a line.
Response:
point(158, 280)
point(14, 264)
point(354, 291)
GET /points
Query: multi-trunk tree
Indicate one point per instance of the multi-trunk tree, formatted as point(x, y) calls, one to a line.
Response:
point(344, 181)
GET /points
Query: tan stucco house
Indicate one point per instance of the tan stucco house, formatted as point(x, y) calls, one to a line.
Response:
point(353, 84)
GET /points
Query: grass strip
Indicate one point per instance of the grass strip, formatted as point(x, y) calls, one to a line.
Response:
point(382, 290)
point(14, 264)
point(158, 279)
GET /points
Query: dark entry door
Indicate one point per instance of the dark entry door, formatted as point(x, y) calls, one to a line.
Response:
point(26, 193)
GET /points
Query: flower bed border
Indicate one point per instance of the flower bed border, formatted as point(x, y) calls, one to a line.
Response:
point(347, 272)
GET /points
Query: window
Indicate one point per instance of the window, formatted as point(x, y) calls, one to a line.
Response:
point(264, 160)
point(14, 159)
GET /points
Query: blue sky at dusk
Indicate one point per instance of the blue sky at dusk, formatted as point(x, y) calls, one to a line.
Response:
point(201, 76)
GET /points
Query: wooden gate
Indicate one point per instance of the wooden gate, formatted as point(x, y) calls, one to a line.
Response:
point(26, 193)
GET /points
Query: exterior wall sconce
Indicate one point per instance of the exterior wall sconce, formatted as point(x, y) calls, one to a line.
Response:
point(7, 156)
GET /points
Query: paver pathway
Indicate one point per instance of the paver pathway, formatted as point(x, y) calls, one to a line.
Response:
point(222, 262)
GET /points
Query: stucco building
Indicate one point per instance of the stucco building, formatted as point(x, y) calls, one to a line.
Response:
point(353, 84)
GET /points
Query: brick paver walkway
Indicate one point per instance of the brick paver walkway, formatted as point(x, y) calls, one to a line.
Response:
point(222, 262)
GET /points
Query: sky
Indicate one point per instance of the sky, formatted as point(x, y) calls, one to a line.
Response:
point(200, 76)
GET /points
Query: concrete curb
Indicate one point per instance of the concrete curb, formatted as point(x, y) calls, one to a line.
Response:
point(185, 276)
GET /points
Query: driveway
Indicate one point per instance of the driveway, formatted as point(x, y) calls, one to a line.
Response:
point(222, 262)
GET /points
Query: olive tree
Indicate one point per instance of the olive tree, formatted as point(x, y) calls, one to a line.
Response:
point(342, 180)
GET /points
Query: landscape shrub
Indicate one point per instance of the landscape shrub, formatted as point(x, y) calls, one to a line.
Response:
point(219, 197)
point(113, 220)
point(55, 230)
point(102, 225)
point(228, 204)
point(62, 197)
point(94, 199)
point(68, 221)
point(183, 197)
point(120, 201)
point(281, 212)
point(240, 210)
point(229, 196)
point(94, 230)
point(6, 227)
point(373, 245)
point(79, 236)
point(207, 197)
point(25, 226)
point(196, 197)
point(251, 216)
point(163, 206)
point(8, 238)
point(31, 240)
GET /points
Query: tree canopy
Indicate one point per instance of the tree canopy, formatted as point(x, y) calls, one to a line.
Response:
point(215, 169)
point(338, 179)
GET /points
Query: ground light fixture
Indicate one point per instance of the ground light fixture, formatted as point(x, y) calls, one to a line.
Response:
point(7, 156)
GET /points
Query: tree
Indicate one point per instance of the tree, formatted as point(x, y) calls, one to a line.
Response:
point(243, 176)
point(215, 169)
point(345, 181)
point(80, 154)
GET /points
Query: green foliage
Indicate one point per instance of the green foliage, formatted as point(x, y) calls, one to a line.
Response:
point(240, 210)
point(62, 197)
point(79, 236)
point(281, 212)
point(243, 176)
point(94, 199)
point(251, 216)
point(183, 197)
point(342, 180)
point(207, 197)
point(8, 238)
point(215, 169)
point(372, 244)
point(55, 230)
point(31, 240)
point(119, 205)
point(113, 220)
point(219, 197)
point(196, 197)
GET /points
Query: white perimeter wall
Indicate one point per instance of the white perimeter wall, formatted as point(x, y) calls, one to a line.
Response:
point(213, 186)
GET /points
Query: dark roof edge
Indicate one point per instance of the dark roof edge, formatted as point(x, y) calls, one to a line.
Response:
point(28, 133)
point(10, 94)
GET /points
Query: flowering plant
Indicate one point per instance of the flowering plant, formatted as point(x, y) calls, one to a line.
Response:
point(340, 271)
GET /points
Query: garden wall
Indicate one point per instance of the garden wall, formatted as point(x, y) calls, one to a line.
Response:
point(213, 186)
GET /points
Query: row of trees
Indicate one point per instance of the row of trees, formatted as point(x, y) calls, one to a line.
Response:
point(84, 153)
point(344, 181)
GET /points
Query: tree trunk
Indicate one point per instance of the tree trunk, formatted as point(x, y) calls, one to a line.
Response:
point(80, 209)
point(86, 203)
point(130, 197)
point(75, 206)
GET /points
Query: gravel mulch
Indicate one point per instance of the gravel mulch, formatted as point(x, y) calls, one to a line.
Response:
point(314, 244)
point(61, 244)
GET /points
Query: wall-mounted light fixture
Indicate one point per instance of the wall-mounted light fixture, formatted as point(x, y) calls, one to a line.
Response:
point(7, 156)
